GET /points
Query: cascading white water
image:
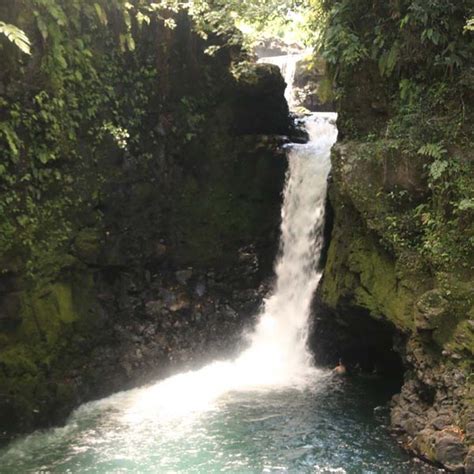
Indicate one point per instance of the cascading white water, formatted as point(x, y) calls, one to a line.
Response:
point(278, 345)
point(277, 355)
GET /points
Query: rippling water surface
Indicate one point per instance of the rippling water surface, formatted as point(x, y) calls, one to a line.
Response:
point(329, 426)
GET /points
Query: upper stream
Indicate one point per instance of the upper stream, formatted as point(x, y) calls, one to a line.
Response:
point(269, 410)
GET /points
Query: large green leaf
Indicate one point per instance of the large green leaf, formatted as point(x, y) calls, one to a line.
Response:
point(16, 36)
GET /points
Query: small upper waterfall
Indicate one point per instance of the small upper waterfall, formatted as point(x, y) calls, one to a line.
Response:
point(287, 65)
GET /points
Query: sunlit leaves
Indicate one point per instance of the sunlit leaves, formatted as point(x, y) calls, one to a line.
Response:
point(101, 14)
point(16, 36)
point(11, 138)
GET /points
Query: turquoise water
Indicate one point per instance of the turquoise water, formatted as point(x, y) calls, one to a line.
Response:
point(328, 427)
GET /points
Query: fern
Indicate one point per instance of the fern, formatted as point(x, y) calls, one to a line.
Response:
point(433, 150)
point(16, 36)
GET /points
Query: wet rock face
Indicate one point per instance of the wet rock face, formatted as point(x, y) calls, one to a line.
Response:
point(258, 101)
point(166, 326)
point(365, 278)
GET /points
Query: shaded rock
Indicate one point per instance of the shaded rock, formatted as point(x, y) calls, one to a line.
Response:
point(470, 431)
point(450, 451)
point(183, 276)
point(10, 306)
point(200, 289)
point(259, 107)
point(87, 245)
point(154, 308)
point(441, 422)
point(429, 309)
point(469, 461)
point(160, 250)
point(179, 302)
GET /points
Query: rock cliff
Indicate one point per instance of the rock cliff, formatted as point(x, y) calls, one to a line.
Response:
point(168, 212)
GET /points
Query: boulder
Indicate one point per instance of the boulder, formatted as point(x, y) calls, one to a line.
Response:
point(261, 107)
point(469, 462)
point(183, 276)
point(450, 450)
point(431, 306)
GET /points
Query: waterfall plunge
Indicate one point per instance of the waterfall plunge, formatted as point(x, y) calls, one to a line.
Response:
point(277, 355)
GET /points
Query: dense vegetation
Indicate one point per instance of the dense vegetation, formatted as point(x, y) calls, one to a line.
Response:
point(411, 62)
point(62, 81)
point(77, 146)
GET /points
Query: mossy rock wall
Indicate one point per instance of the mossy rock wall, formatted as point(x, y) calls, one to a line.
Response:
point(164, 207)
point(371, 273)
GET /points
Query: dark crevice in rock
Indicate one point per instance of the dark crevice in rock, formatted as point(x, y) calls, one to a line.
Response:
point(327, 231)
point(363, 343)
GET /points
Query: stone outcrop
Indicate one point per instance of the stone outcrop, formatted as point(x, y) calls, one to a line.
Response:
point(379, 302)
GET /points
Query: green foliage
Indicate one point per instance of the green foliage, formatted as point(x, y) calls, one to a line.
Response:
point(57, 112)
point(434, 150)
point(417, 55)
point(402, 37)
point(16, 36)
point(98, 89)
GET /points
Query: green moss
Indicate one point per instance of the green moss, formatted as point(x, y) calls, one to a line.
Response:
point(45, 312)
point(87, 245)
point(17, 361)
point(380, 290)
point(462, 338)
point(360, 272)
point(375, 265)
point(35, 359)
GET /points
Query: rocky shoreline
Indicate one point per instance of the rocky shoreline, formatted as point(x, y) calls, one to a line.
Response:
point(384, 311)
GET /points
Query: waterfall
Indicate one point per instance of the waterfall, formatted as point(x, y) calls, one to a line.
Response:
point(279, 344)
point(277, 354)
point(269, 410)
